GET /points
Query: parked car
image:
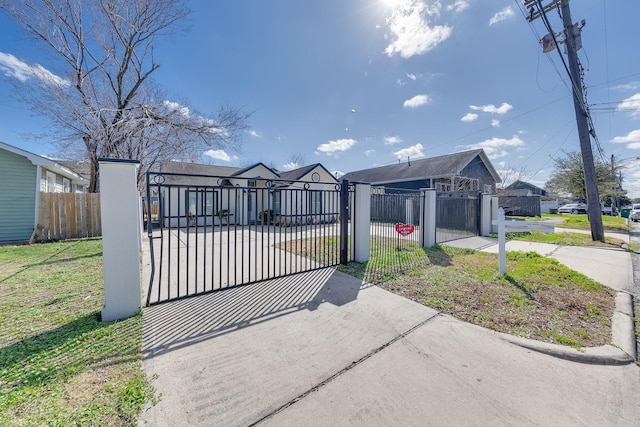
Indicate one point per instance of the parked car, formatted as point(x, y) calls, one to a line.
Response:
point(634, 215)
point(573, 208)
point(611, 211)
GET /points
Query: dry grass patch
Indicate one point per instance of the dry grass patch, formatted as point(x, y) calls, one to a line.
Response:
point(539, 298)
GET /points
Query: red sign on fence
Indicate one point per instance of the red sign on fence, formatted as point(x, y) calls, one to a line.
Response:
point(404, 229)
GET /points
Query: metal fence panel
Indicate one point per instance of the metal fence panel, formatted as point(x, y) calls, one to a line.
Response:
point(457, 216)
point(395, 232)
point(217, 234)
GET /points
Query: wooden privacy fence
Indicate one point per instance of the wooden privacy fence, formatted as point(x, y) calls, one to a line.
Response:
point(67, 216)
point(520, 205)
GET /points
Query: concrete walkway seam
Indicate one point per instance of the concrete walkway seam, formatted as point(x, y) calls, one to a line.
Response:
point(345, 369)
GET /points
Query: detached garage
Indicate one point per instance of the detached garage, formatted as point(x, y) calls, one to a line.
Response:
point(23, 175)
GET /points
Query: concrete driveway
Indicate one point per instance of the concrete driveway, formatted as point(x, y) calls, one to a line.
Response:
point(322, 348)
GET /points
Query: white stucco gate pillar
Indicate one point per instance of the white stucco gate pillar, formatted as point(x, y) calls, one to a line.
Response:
point(428, 217)
point(361, 223)
point(119, 200)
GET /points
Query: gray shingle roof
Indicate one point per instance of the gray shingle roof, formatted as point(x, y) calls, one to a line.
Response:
point(197, 169)
point(433, 167)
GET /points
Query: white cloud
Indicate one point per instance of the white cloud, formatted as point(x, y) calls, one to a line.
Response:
point(180, 109)
point(495, 123)
point(631, 105)
point(220, 155)
point(458, 6)
point(416, 101)
point(632, 139)
point(390, 140)
point(254, 133)
point(469, 117)
point(503, 15)
point(19, 70)
point(337, 145)
point(627, 87)
point(369, 152)
point(411, 76)
point(496, 147)
point(337, 174)
point(502, 109)
point(410, 30)
point(290, 166)
point(413, 151)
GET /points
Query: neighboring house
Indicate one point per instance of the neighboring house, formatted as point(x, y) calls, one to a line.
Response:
point(211, 195)
point(467, 171)
point(521, 188)
point(317, 203)
point(23, 175)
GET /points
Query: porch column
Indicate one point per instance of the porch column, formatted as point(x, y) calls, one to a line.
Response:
point(119, 201)
point(361, 223)
point(428, 217)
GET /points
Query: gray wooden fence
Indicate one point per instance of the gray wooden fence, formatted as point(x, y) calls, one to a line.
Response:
point(520, 205)
point(67, 216)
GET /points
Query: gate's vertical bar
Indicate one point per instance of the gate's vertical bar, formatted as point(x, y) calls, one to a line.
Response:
point(150, 236)
point(344, 221)
point(243, 211)
point(235, 235)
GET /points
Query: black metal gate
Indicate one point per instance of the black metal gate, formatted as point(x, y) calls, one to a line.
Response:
point(457, 216)
point(395, 232)
point(208, 233)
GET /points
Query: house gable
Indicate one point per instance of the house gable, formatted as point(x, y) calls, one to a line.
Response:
point(436, 172)
point(308, 173)
point(47, 164)
point(258, 170)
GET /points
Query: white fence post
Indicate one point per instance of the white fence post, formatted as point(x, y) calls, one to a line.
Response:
point(120, 238)
point(428, 217)
point(361, 223)
point(495, 203)
point(502, 252)
point(485, 215)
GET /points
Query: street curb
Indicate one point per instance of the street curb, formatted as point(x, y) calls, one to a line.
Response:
point(622, 351)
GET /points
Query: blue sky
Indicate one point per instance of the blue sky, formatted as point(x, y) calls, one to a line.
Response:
point(361, 83)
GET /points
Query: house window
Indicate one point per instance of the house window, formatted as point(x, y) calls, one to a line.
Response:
point(315, 202)
point(51, 182)
point(66, 185)
point(201, 202)
point(252, 183)
point(487, 189)
point(276, 202)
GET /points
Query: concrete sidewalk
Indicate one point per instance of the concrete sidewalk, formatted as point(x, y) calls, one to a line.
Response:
point(322, 348)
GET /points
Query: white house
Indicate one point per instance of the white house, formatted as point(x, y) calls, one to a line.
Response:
point(197, 194)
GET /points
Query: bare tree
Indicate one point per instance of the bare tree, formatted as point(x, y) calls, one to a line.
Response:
point(295, 161)
point(510, 175)
point(98, 90)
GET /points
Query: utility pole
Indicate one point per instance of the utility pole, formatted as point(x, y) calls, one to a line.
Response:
point(590, 179)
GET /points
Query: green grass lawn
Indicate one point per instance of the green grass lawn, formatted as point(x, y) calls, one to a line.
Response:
point(59, 365)
point(581, 222)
